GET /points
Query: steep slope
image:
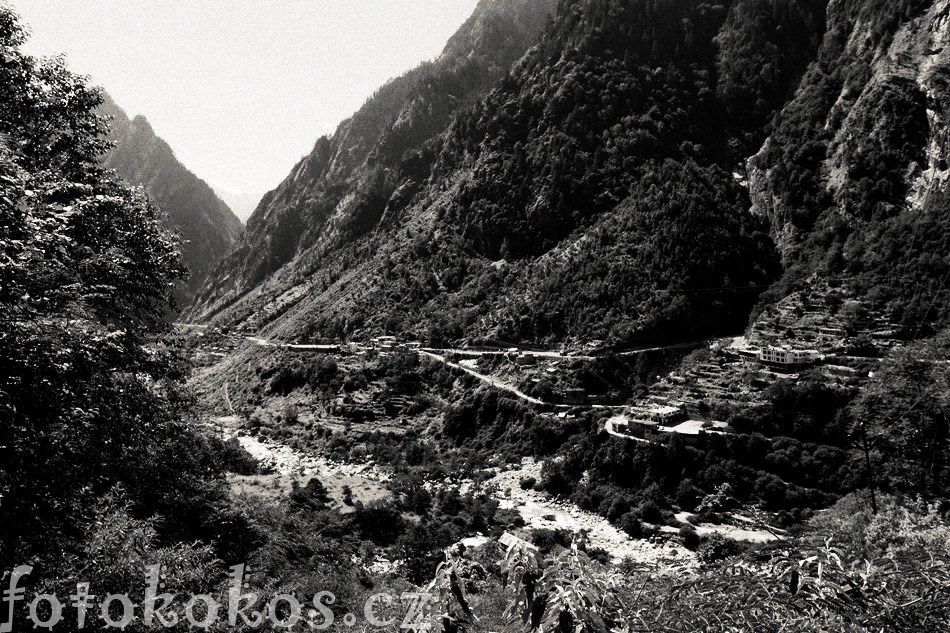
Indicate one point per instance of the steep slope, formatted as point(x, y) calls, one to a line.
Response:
point(854, 180)
point(599, 191)
point(526, 227)
point(340, 191)
point(207, 227)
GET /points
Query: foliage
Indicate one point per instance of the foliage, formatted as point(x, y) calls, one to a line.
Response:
point(90, 396)
point(235, 459)
point(808, 411)
point(810, 583)
point(900, 421)
point(114, 557)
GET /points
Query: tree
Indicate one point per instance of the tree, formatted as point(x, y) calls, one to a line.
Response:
point(312, 496)
point(89, 396)
point(901, 421)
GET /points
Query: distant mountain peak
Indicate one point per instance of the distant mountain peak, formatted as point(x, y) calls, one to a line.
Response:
point(140, 121)
point(207, 227)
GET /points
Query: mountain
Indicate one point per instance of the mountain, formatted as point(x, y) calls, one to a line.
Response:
point(207, 227)
point(243, 204)
point(643, 172)
point(341, 190)
point(853, 180)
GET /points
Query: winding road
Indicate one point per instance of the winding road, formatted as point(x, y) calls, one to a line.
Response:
point(486, 379)
point(440, 355)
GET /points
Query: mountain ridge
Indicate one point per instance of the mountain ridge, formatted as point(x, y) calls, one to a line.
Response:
point(364, 157)
point(207, 226)
point(563, 206)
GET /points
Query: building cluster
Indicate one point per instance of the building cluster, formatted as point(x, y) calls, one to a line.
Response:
point(391, 344)
point(783, 356)
point(789, 356)
point(382, 345)
point(820, 330)
point(646, 420)
point(661, 419)
point(521, 358)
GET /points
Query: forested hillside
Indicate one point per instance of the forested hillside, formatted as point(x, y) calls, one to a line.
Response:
point(601, 190)
point(377, 160)
point(853, 180)
point(207, 227)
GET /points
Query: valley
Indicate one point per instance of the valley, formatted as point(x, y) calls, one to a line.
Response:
point(713, 388)
point(536, 509)
point(619, 324)
point(613, 316)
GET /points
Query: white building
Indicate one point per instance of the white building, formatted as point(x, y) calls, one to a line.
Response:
point(787, 356)
point(666, 414)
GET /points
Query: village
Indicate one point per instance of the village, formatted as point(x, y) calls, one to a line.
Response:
point(820, 331)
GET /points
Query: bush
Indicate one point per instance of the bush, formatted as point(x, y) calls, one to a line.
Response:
point(716, 547)
point(707, 516)
point(379, 522)
point(528, 483)
point(313, 496)
point(687, 495)
point(289, 415)
point(546, 540)
point(650, 512)
point(630, 524)
point(235, 459)
point(618, 507)
point(554, 481)
point(599, 554)
point(690, 538)
point(255, 422)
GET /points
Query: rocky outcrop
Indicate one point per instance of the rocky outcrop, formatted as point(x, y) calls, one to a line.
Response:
point(885, 91)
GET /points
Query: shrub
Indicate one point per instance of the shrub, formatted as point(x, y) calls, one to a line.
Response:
point(650, 512)
point(546, 540)
point(528, 483)
point(313, 496)
point(289, 414)
point(255, 422)
point(716, 547)
point(553, 478)
point(599, 554)
point(630, 524)
point(690, 537)
point(379, 522)
point(619, 506)
point(687, 495)
point(235, 459)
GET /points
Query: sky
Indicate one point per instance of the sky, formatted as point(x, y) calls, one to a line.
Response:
point(241, 89)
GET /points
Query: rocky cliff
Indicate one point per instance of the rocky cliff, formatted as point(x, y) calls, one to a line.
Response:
point(853, 181)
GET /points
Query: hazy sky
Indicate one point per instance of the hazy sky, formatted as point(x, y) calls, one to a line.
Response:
point(241, 89)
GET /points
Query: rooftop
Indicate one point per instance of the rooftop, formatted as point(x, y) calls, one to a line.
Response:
point(695, 427)
point(665, 410)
